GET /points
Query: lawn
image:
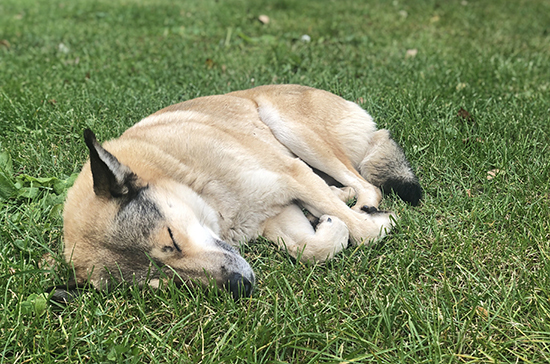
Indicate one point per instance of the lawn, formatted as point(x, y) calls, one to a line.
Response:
point(464, 86)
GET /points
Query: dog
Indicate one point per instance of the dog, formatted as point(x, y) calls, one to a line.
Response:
point(181, 189)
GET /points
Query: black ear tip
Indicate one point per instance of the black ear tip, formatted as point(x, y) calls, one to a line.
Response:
point(89, 135)
point(90, 139)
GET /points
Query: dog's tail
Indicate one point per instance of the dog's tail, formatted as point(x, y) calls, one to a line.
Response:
point(385, 165)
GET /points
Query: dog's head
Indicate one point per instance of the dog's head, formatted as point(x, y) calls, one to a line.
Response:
point(120, 226)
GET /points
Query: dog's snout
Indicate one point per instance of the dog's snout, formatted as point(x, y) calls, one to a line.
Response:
point(239, 286)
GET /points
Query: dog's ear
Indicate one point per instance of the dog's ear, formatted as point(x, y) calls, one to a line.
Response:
point(66, 293)
point(111, 178)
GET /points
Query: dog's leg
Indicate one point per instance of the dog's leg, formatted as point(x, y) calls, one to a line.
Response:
point(321, 152)
point(317, 197)
point(344, 194)
point(366, 226)
point(292, 231)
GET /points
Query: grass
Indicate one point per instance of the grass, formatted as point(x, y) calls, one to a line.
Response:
point(464, 278)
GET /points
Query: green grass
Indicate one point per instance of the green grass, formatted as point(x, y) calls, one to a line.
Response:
point(464, 278)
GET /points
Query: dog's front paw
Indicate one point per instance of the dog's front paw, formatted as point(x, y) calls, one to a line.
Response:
point(374, 225)
point(332, 236)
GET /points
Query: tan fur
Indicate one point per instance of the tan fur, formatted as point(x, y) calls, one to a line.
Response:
point(240, 166)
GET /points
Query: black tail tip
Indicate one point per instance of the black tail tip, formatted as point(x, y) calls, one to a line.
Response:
point(408, 190)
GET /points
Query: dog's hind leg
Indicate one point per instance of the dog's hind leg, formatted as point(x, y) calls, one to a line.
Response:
point(321, 151)
point(348, 149)
point(291, 230)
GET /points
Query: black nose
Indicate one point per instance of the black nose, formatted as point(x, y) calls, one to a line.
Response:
point(239, 286)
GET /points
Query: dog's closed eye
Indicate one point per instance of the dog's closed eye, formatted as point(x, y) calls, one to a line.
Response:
point(168, 248)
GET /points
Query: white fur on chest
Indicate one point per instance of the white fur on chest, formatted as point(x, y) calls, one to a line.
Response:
point(243, 206)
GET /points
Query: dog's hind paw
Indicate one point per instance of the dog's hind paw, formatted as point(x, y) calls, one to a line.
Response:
point(344, 193)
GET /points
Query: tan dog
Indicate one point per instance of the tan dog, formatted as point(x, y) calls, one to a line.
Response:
point(181, 188)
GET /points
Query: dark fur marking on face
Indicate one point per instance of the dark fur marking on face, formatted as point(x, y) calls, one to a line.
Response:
point(226, 247)
point(129, 239)
point(138, 214)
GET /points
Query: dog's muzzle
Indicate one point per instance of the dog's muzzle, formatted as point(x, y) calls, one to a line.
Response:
point(240, 282)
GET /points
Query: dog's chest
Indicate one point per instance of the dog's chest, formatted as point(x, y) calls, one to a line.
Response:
point(243, 204)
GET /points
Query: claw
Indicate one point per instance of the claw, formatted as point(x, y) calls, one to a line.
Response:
point(373, 210)
point(369, 209)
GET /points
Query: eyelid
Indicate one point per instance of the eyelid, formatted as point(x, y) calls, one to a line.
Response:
point(173, 240)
